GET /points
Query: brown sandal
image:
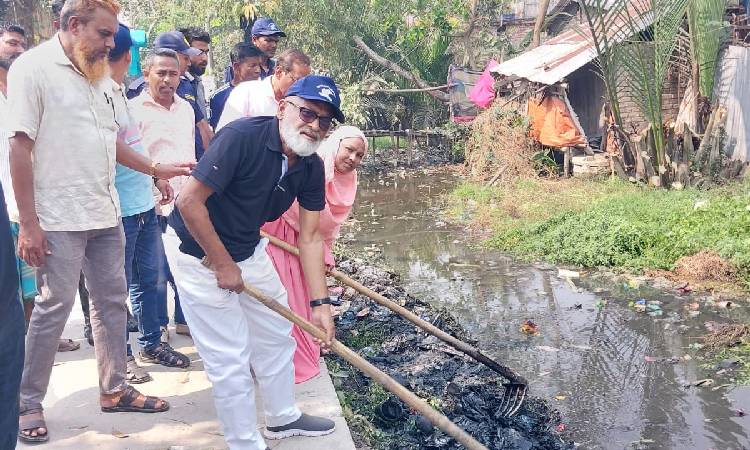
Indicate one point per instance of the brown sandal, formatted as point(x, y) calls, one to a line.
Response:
point(129, 396)
point(30, 420)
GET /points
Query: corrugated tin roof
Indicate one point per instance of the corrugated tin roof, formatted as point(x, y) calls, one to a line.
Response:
point(562, 55)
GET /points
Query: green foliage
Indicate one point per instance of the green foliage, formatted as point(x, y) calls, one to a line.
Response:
point(639, 64)
point(707, 32)
point(649, 229)
point(413, 33)
point(613, 223)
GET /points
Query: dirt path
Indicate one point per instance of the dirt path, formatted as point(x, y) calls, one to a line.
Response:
point(76, 423)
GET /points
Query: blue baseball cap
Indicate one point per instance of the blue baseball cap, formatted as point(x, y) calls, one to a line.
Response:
point(174, 40)
point(123, 42)
point(265, 26)
point(318, 88)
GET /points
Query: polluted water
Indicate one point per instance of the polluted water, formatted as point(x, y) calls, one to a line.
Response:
point(612, 363)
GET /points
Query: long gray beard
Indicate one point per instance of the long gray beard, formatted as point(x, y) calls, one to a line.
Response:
point(299, 144)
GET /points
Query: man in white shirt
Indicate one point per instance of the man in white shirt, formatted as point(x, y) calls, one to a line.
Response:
point(167, 124)
point(262, 97)
point(69, 212)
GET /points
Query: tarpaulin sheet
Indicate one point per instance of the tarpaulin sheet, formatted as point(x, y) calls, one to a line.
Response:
point(552, 123)
point(483, 93)
point(733, 93)
point(460, 82)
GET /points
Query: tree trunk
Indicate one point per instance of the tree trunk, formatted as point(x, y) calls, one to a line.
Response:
point(398, 70)
point(540, 18)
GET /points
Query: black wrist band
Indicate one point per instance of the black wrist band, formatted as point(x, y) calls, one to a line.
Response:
point(320, 302)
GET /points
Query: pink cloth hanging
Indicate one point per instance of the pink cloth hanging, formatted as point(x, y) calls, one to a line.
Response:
point(341, 190)
point(483, 93)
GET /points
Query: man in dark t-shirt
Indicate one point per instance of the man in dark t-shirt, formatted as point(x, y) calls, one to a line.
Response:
point(252, 172)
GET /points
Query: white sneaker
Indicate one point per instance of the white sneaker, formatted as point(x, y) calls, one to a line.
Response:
point(306, 425)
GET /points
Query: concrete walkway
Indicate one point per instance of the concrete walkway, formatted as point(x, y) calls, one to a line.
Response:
point(76, 423)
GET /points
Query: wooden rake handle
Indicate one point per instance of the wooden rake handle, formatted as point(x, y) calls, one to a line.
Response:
point(458, 344)
point(437, 419)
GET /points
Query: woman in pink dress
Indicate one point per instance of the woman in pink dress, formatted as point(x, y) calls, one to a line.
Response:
point(342, 153)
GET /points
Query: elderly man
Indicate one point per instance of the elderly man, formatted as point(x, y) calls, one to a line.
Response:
point(167, 125)
point(12, 41)
point(246, 59)
point(262, 97)
point(252, 173)
point(63, 154)
point(265, 35)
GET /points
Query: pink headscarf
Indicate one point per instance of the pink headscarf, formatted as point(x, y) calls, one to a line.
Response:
point(341, 188)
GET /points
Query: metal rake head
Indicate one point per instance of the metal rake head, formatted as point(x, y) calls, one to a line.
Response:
point(513, 398)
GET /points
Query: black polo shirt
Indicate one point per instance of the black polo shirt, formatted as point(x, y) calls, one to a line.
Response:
point(243, 167)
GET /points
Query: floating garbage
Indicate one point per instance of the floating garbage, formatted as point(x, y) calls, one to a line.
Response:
point(652, 308)
point(530, 328)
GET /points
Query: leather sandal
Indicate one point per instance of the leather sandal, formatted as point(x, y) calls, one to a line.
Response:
point(126, 403)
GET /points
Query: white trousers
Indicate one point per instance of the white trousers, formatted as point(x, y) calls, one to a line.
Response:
point(233, 332)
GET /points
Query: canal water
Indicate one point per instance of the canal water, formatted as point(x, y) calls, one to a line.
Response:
point(622, 379)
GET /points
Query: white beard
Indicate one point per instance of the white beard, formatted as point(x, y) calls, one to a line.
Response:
point(299, 144)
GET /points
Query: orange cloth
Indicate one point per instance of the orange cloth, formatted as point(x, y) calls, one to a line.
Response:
point(341, 189)
point(552, 124)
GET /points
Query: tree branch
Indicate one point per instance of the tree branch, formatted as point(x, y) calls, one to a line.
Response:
point(398, 70)
point(540, 18)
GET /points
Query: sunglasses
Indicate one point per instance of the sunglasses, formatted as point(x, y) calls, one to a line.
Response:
point(309, 116)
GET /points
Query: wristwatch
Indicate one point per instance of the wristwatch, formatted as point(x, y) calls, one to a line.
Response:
point(320, 302)
point(154, 166)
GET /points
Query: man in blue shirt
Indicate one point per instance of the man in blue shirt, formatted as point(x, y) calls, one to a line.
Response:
point(143, 245)
point(256, 167)
point(266, 36)
point(246, 60)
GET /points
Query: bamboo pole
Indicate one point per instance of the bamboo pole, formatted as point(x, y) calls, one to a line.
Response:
point(436, 418)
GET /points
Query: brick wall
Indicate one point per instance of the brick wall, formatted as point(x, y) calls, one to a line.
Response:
point(674, 88)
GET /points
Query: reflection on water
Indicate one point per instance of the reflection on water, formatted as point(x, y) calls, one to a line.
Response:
point(591, 361)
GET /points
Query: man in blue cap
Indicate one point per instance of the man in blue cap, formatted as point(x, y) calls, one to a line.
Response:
point(265, 35)
point(143, 245)
point(255, 168)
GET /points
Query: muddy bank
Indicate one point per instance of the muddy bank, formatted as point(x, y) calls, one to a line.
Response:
point(467, 392)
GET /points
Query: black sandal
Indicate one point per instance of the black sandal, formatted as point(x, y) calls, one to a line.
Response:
point(166, 356)
point(126, 403)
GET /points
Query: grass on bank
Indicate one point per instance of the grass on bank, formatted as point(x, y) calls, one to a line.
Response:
point(610, 223)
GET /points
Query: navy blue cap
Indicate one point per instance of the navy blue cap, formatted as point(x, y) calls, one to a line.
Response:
point(123, 42)
point(318, 88)
point(174, 40)
point(265, 26)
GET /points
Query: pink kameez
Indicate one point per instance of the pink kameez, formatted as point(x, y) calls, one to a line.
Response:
point(341, 189)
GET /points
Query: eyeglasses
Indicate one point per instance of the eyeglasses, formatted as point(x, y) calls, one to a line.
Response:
point(204, 51)
point(308, 116)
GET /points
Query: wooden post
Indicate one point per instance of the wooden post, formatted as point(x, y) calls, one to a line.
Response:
point(409, 146)
point(568, 153)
